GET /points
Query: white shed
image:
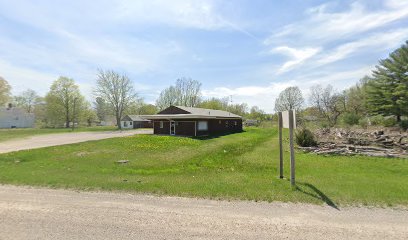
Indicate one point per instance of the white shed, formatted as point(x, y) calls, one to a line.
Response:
point(16, 118)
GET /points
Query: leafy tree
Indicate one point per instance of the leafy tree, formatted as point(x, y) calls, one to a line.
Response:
point(215, 103)
point(27, 100)
point(186, 92)
point(147, 109)
point(63, 99)
point(387, 92)
point(101, 108)
point(5, 94)
point(240, 109)
point(356, 97)
point(257, 113)
point(116, 90)
point(290, 98)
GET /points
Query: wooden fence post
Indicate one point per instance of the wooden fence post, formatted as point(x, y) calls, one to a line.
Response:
point(280, 126)
point(292, 150)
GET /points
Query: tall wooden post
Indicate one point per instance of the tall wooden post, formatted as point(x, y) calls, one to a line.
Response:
point(292, 150)
point(280, 126)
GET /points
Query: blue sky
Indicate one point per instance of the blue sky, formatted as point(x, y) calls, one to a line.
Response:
point(250, 50)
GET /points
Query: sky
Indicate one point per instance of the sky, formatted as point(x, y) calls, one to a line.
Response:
point(248, 50)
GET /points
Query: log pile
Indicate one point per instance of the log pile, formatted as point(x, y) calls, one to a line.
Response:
point(378, 143)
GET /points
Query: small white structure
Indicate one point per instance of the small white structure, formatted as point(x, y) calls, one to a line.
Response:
point(12, 117)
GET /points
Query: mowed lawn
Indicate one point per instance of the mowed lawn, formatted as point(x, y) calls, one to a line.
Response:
point(18, 133)
point(236, 166)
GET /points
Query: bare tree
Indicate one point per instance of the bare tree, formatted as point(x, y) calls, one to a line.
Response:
point(290, 98)
point(168, 97)
point(117, 90)
point(186, 92)
point(27, 100)
point(329, 103)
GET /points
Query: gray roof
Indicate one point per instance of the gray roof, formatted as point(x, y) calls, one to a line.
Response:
point(208, 112)
point(137, 118)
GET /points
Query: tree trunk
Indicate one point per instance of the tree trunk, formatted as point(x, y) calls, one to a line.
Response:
point(398, 118)
point(67, 120)
point(118, 122)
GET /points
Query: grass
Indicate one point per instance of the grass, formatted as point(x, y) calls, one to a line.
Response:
point(236, 166)
point(14, 133)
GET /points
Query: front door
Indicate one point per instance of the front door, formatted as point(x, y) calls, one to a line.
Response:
point(172, 128)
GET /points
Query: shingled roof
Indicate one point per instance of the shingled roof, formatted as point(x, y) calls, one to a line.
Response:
point(207, 112)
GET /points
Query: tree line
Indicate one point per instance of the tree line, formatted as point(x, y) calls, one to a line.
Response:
point(381, 98)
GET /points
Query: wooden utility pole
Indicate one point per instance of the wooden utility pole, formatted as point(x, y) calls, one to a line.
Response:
point(280, 125)
point(74, 113)
point(292, 150)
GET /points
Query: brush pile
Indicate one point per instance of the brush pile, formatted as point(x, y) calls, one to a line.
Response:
point(379, 143)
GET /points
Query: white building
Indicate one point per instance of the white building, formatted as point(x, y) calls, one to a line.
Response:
point(12, 117)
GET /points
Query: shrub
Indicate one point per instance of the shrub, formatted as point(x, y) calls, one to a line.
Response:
point(363, 122)
point(351, 119)
point(404, 124)
point(305, 138)
point(389, 122)
point(377, 120)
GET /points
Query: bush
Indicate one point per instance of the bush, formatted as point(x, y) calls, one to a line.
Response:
point(305, 138)
point(389, 122)
point(377, 120)
point(363, 122)
point(404, 124)
point(351, 119)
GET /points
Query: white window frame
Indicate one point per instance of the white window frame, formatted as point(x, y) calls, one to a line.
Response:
point(202, 127)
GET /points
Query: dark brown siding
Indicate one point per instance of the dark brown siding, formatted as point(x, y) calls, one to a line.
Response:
point(184, 128)
point(173, 110)
point(187, 127)
point(220, 126)
point(164, 130)
point(142, 124)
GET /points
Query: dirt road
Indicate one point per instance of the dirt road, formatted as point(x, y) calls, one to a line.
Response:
point(33, 213)
point(55, 139)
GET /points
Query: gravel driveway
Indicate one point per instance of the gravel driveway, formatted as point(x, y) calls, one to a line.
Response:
point(34, 213)
point(55, 139)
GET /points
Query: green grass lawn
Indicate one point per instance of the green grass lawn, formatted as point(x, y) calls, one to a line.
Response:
point(8, 134)
point(237, 166)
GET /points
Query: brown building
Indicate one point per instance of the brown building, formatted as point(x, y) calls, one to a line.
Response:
point(135, 121)
point(189, 121)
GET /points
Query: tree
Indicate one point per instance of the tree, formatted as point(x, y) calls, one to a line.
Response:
point(329, 103)
point(101, 108)
point(387, 91)
point(5, 94)
point(290, 98)
point(116, 90)
point(27, 100)
point(147, 109)
point(186, 92)
point(215, 103)
point(63, 99)
point(257, 113)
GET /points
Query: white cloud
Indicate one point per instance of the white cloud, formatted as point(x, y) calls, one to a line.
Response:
point(298, 56)
point(22, 78)
point(180, 13)
point(325, 25)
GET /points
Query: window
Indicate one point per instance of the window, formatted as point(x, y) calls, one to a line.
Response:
point(202, 126)
point(161, 124)
point(130, 123)
point(226, 123)
point(235, 123)
point(219, 121)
